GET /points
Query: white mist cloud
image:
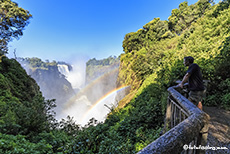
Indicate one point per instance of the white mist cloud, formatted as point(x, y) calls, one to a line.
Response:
point(77, 110)
point(100, 110)
point(82, 110)
point(77, 76)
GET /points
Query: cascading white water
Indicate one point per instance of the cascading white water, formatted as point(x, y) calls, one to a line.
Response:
point(76, 76)
point(63, 69)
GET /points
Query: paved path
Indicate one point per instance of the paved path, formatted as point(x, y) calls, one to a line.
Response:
point(219, 130)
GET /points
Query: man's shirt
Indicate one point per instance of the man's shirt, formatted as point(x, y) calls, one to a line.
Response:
point(195, 80)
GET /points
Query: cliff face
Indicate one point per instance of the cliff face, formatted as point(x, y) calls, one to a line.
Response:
point(101, 76)
point(52, 83)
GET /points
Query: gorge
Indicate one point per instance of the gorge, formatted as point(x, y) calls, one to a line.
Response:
point(82, 92)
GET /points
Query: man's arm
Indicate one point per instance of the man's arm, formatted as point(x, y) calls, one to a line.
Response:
point(185, 79)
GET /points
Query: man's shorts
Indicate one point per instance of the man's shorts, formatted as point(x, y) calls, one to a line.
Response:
point(196, 96)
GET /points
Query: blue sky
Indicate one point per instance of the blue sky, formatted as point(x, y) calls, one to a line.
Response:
point(62, 30)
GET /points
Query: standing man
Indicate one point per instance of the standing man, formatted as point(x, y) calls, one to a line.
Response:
point(195, 82)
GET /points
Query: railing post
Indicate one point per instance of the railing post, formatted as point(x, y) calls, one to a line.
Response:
point(203, 135)
point(168, 116)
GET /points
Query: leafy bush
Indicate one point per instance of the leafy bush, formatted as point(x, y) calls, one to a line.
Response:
point(10, 144)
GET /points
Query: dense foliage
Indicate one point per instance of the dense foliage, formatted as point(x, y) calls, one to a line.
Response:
point(23, 109)
point(153, 61)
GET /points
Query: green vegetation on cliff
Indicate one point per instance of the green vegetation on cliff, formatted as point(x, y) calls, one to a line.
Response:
point(101, 75)
point(153, 61)
point(95, 68)
point(23, 109)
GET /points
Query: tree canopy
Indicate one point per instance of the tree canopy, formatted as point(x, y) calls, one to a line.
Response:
point(13, 20)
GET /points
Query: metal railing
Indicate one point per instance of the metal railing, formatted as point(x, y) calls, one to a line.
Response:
point(186, 127)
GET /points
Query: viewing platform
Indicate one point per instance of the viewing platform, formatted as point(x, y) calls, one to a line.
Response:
point(187, 129)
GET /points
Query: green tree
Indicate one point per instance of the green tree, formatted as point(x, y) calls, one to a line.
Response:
point(185, 15)
point(13, 20)
point(133, 41)
point(23, 108)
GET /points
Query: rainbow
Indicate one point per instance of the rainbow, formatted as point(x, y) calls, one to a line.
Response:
point(87, 87)
point(102, 99)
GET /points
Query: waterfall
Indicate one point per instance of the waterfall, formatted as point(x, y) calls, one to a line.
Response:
point(76, 76)
point(63, 69)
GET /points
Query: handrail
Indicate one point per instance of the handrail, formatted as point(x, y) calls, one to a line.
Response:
point(191, 130)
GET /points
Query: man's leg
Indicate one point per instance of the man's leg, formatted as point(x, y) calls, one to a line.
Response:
point(195, 98)
point(201, 94)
